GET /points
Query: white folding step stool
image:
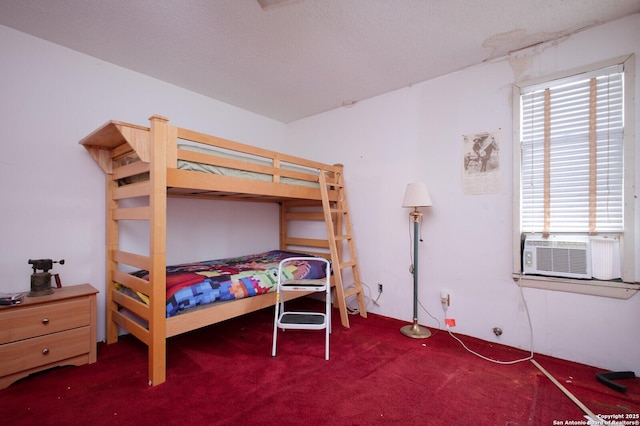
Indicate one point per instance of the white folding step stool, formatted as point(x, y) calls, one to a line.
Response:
point(303, 320)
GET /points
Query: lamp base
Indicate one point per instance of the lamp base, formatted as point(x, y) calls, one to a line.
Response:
point(415, 331)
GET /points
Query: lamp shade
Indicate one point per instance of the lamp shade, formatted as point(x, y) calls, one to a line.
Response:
point(417, 195)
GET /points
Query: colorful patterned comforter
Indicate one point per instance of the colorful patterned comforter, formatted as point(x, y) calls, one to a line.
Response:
point(192, 284)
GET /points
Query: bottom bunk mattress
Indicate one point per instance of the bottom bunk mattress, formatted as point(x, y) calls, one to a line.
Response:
point(199, 283)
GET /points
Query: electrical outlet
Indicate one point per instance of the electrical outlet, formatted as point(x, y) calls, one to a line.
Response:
point(379, 288)
point(445, 299)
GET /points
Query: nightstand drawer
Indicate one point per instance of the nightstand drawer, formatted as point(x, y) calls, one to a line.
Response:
point(43, 350)
point(25, 322)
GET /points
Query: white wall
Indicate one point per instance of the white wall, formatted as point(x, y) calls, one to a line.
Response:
point(52, 192)
point(415, 134)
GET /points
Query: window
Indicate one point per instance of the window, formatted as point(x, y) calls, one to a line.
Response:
point(571, 155)
point(573, 160)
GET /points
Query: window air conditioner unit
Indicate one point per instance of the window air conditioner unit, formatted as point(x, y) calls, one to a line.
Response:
point(557, 256)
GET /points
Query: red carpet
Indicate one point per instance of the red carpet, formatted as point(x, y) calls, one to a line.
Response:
point(225, 375)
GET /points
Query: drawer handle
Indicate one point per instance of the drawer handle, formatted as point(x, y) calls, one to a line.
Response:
point(45, 351)
point(45, 321)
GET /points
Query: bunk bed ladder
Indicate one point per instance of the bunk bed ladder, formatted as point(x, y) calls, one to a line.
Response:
point(340, 231)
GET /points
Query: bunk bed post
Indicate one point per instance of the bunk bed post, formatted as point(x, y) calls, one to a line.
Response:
point(158, 249)
point(283, 224)
point(112, 242)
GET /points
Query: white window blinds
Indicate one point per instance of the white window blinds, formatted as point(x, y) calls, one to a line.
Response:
point(572, 154)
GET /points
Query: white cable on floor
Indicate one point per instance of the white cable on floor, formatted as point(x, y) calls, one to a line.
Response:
point(584, 408)
point(530, 357)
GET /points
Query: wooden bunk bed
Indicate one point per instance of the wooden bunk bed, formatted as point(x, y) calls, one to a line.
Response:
point(148, 163)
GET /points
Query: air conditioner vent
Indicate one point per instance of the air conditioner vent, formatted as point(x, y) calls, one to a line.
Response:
point(559, 256)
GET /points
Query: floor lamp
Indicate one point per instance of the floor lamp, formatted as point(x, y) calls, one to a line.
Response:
point(417, 195)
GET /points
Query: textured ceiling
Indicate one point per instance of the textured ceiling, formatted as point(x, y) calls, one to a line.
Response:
point(302, 57)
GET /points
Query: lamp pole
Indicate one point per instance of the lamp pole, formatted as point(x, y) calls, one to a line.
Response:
point(414, 330)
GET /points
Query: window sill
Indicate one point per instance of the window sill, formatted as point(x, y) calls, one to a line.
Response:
point(612, 289)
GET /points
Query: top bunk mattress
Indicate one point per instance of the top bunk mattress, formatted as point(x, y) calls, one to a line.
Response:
point(240, 173)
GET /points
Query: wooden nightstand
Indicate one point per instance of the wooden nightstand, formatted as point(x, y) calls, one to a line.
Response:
point(48, 331)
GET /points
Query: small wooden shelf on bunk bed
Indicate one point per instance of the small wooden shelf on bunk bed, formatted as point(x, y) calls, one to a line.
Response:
point(149, 162)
